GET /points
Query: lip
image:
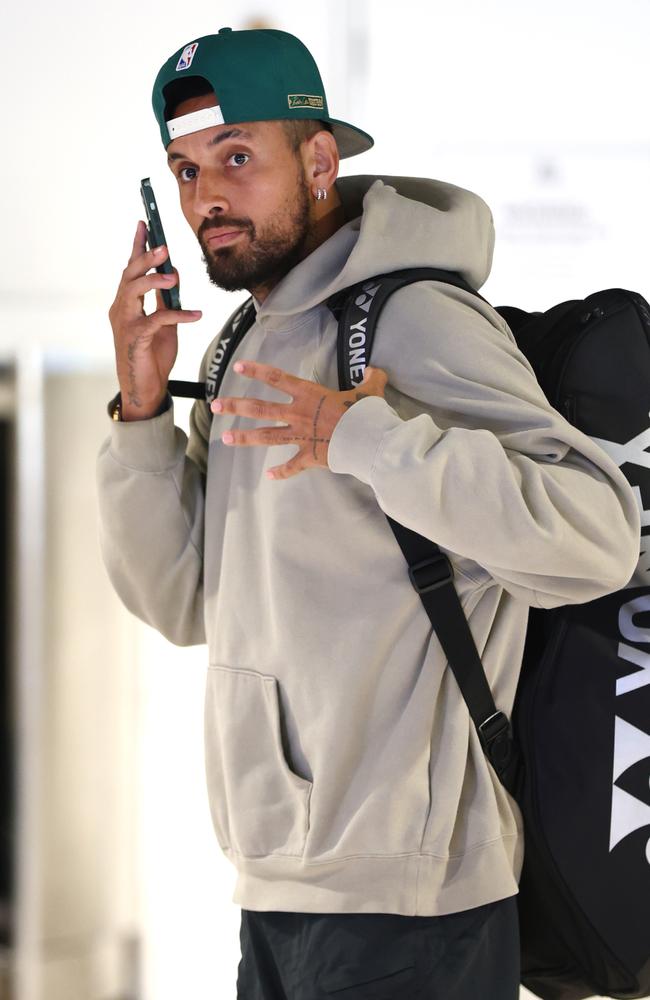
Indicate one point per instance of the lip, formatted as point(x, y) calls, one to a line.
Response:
point(219, 239)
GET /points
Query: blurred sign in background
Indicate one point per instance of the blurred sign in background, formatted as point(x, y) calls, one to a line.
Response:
point(120, 891)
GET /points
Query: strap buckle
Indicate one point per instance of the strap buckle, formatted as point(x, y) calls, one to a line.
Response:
point(495, 736)
point(431, 573)
point(493, 727)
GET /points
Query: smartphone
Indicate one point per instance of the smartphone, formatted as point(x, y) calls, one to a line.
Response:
point(155, 238)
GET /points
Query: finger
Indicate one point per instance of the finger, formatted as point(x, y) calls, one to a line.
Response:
point(261, 436)
point(139, 241)
point(143, 260)
point(130, 297)
point(140, 286)
point(376, 376)
point(289, 469)
point(273, 376)
point(160, 302)
point(256, 409)
point(169, 317)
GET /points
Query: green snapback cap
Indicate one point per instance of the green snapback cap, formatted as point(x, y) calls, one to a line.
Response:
point(257, 75)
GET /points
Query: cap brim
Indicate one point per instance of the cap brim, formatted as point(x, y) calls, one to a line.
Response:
point(349, 139)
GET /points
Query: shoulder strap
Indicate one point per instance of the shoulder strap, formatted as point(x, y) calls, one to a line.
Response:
point(357, 310)
point(231, 337)
point(432, 577)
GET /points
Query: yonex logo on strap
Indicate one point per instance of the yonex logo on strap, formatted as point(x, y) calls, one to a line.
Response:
point(232, 336)
point(215, 367)
point(356, 334)
point(364, 301)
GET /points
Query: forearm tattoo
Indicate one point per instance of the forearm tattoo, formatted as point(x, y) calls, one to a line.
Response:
point(132, 392)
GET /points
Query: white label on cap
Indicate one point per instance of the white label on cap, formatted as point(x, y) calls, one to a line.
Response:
point(195, 121)
point(187, 55)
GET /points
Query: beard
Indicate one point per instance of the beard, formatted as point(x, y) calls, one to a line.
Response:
point(264, 255)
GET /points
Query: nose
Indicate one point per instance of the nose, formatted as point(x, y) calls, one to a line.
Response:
point(209, 196)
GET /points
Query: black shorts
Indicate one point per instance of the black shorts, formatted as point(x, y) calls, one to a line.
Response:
point(473, 955)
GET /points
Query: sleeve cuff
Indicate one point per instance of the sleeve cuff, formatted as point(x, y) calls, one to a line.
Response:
point(166, 403)
point(358, 436)
point(153, 445)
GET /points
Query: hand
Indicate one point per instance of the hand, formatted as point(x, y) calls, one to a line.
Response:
point(308, 420)
point(145, 346)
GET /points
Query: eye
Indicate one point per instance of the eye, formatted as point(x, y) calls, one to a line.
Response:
point(240, 159)
point(182, 171)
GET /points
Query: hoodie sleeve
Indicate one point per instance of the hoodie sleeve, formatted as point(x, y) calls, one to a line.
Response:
point(467, 450)
point(151, 486)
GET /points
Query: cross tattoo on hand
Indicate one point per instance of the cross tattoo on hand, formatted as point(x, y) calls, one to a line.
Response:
point(308, 420)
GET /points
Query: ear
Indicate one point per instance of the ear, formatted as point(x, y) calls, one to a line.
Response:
point(321, 157)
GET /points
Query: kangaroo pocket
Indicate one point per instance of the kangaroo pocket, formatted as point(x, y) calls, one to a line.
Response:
point(259, 805)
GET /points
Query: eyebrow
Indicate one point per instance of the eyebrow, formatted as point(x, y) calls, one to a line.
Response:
point(231, 133)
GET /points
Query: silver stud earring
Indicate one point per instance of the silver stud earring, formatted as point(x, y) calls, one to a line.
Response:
point(321, 194)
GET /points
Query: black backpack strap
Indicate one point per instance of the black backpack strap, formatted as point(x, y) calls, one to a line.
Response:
point(231, 337)
point(357, 310)
point(432, 576)
point(189, 390)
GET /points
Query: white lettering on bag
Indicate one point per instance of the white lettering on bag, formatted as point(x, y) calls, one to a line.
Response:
point(631, 682)
point(633, 451)
point(629, 814)
point(629, 630)
point(631, 745)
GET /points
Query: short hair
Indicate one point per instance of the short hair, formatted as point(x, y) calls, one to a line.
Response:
point(297, 130)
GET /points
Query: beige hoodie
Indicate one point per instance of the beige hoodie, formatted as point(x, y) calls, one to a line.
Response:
point(344, 772)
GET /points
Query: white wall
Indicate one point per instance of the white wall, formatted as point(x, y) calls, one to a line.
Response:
point(539, 108)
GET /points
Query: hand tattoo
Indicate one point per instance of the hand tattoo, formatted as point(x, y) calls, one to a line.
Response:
point(350, 402)
point(316, 440)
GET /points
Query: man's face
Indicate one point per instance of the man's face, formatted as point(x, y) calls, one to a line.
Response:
point(244, 193)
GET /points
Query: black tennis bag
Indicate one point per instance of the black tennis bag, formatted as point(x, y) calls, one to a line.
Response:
point(576, 755)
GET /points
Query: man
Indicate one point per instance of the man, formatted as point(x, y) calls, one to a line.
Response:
point(377, 852)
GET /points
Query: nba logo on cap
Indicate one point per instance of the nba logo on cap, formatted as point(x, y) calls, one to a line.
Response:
point(187, 55)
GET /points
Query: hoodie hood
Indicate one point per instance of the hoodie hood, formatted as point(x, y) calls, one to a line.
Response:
point(395, 222)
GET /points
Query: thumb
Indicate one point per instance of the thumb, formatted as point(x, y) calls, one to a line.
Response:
point(377, 376)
